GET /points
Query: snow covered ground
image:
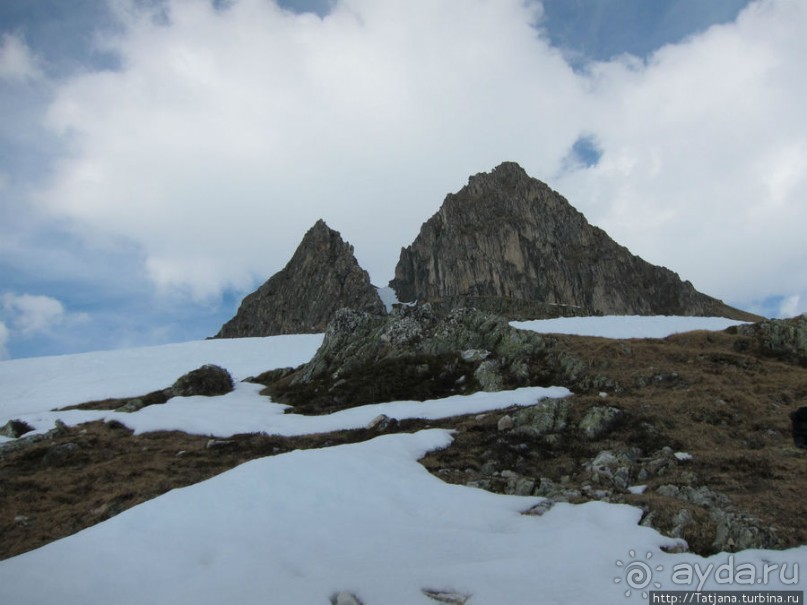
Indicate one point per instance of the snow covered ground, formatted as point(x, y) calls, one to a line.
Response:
point(625, 326)
point(367, 518)
point(44, 383)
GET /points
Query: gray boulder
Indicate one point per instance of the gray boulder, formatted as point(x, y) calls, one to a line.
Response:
point(548, 417)
point(599, 421)
point(15, 428)
point(208, 380)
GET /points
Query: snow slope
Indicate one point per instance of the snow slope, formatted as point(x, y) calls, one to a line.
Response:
point(43, 383)
point(625, 326)
point(296, 528)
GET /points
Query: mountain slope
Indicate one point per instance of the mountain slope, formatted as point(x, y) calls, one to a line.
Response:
point(321, 277)
point(509, 244)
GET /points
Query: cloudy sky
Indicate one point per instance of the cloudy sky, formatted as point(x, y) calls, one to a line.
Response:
point(159, 159)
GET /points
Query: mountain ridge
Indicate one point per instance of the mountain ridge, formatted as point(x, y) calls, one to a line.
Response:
point(505, 243)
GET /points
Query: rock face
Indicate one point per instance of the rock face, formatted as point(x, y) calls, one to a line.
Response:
point(509, 244)
point(416, 354)
point(321, 277)
point(784, 339)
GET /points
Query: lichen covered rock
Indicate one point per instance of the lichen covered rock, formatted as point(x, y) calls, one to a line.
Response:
point(209, 380)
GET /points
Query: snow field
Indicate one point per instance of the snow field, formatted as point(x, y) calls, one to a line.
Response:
point(296, 528)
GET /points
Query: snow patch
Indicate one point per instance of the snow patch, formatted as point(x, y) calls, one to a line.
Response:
point(625, 326)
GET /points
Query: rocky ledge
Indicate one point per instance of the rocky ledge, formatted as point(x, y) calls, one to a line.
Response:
point(416, 353)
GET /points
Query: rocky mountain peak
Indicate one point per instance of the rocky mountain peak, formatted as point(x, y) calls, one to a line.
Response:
point(322, 277)
point(508, 243)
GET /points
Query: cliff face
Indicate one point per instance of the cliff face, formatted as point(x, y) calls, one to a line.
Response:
point(322, 277)
point(507, 241)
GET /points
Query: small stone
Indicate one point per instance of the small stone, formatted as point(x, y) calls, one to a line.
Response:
point(668, 490)
point(379, 423)
point(539, 509)
point(546, 487)
point(676, 549)
point(345, 598)
point(133, 405)
point(447, 596)
point(505, 423)
point(682, 519)
point(219, 443)
point(600, 420)
point(59, 454)
point(603, 460)
point(545, 418)
point(475, 355)
point(489, 376)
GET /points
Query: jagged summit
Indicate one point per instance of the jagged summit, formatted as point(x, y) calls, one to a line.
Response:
point(508, 243)
point(321, 277)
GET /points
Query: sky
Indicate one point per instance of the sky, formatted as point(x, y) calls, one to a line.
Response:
point(159, 159)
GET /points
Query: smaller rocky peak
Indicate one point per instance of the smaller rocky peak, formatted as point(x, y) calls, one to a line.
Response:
point(321, 230)
point(322, 277)
point(319, 235)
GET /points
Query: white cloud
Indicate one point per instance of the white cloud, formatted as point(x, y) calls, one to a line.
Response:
point(791, 306)
point(704, 163)
point(32, 314)
point(17, 63)
point(227, 133)
point(28, 317)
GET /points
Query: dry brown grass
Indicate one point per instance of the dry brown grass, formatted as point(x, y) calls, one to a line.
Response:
point(44, 497)
point(704, 393)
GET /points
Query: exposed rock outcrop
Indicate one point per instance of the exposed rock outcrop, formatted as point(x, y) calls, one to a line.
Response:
point(414, 353)
point(784, 339)
point(321, 277)
point(509, 244)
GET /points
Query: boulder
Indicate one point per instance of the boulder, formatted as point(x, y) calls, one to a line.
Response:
point(548, 417)
point(15, 428)
point(784, 339)
point(208, 380)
